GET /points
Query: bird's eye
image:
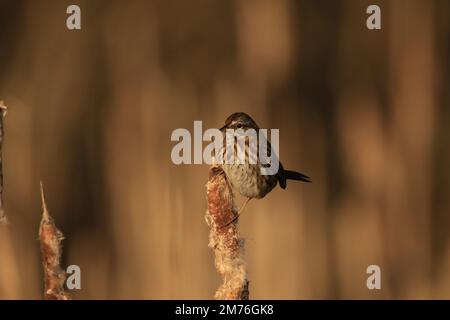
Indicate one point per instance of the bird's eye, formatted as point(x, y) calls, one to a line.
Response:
point(239, 126)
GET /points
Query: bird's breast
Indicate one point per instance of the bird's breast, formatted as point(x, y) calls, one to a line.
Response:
point(247, 179)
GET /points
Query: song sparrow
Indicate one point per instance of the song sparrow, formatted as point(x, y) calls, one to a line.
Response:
point(246, 177)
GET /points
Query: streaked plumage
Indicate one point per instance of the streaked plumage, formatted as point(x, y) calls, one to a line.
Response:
point(246, 178)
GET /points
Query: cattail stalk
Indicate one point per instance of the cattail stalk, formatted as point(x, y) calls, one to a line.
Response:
point(224, 238)
point(51, 250)
point(3, 218)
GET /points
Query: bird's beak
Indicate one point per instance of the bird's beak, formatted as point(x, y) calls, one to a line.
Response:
point(223, 128)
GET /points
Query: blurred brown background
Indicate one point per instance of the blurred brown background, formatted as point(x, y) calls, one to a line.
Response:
point(364, 113)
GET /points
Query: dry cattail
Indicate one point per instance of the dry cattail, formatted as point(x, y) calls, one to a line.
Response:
point(225, 241)
point(3, 219)
point(51, 249)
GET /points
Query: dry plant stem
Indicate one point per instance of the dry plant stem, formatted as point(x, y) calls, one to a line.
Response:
point(225, 241)
point(3, 219)
point(51, 249)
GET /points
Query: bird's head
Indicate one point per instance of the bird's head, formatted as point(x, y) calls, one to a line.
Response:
point(239, 120)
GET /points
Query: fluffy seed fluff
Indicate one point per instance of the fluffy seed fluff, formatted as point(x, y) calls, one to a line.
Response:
point(228, 247)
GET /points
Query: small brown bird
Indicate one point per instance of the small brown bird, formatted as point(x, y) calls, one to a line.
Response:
point(246, 177)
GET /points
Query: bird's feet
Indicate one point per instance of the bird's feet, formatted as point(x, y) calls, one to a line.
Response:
point(237, 215)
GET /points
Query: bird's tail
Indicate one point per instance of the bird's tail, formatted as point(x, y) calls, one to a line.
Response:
point(293, 175)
